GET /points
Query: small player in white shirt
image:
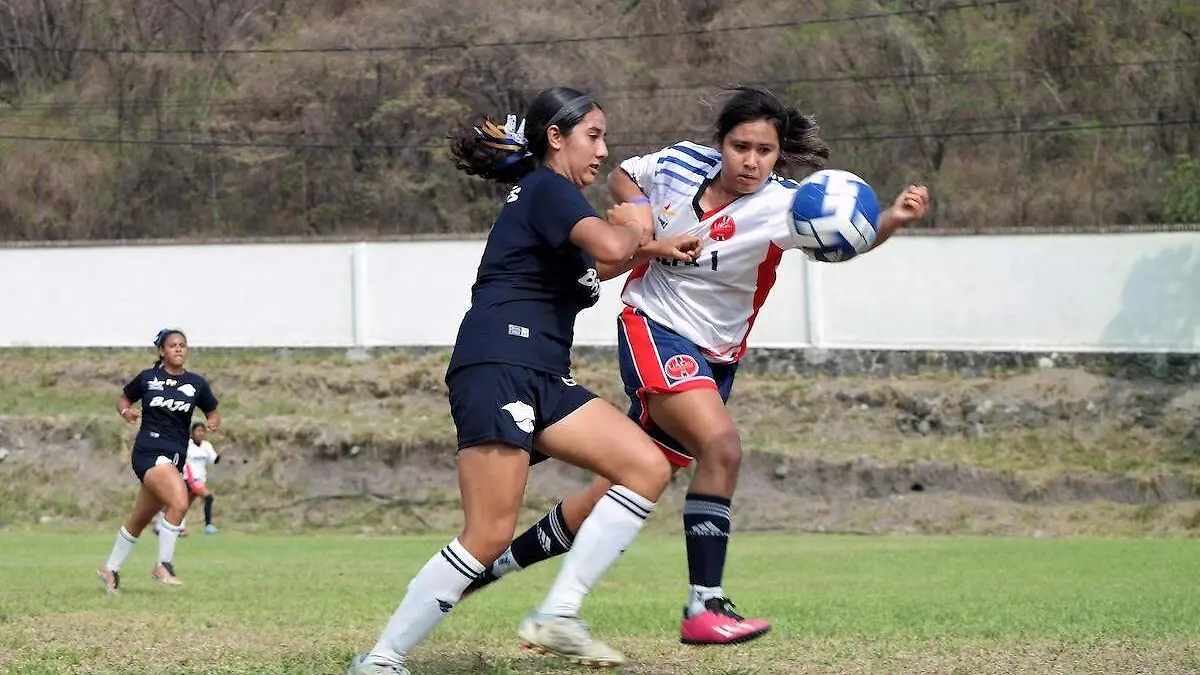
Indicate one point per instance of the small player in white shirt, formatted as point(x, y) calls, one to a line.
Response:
point(685, 325)
point(200, 454)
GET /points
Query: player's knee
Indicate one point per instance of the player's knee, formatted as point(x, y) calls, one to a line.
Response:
point(176, 508)
point(648, 475)
point(722, 451)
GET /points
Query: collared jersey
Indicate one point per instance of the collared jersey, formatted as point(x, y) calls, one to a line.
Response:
point(714, 301)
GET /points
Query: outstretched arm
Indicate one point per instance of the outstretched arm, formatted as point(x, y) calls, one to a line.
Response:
point(909, 206)
point(684, 247)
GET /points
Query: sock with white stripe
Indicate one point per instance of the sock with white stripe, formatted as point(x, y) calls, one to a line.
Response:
point(549, 537)
point(604, 535)
point(431, 595)
point(121, 550)
point(706, 527)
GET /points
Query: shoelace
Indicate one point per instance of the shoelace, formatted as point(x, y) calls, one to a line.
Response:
point(723, 606)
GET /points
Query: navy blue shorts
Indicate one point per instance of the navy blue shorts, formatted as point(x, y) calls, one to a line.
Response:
point(146, 458)
point(657, 360)
point(503, 403)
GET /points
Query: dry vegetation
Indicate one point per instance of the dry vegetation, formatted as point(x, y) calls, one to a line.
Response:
point(318, 439)
point(314, 133)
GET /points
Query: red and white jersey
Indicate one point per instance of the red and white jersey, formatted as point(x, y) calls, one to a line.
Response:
point(714, 301)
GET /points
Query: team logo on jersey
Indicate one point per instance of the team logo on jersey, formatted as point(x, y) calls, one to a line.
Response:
point(155, 384)
point(591, 280)
point(681, 366)
point(667, 210)
point(722, 229)
point(170, 404)
point(188, 390)
point(522, 414)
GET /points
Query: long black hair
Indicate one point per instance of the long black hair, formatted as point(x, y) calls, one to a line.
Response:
point(161, 339)
point(506, 154)
point(800, 142)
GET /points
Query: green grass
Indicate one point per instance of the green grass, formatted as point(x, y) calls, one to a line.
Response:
point(302, 605)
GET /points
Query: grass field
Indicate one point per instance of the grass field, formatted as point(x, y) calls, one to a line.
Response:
point(270, 605)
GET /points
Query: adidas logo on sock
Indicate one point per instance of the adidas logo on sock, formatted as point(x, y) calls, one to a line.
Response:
point(706, 529)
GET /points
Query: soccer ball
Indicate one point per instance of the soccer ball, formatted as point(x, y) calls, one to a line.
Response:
point(835, 216)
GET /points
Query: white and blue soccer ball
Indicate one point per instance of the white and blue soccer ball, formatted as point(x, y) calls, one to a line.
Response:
point(835, 216)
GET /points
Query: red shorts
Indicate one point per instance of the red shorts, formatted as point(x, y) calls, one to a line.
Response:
point(657, 360)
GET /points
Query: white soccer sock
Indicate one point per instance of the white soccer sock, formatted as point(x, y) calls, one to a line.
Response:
point(603, 537)
point(168, 534)
point(431, 595)
point(698, 595)
point(121, 549)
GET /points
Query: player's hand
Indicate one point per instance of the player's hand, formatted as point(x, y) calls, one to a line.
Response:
point(682, 247)
point(213, 423)
point(911, 204)
point(131, 415)
point(633, 215)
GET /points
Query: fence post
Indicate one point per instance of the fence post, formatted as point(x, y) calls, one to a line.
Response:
point(359, 320)
point(814, 308)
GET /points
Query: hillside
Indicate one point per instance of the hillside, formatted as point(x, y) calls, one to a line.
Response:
point(315, 439)
point(152, 118)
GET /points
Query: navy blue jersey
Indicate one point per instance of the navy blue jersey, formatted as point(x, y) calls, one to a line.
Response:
point(167, 404)
point(532, 280)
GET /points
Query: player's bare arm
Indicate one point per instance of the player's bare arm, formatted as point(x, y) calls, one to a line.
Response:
point(624, 190)
point(910, 205)
point(683, 247)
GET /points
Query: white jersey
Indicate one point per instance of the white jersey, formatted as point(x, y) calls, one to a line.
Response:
point(714, 301)
point(198, 457)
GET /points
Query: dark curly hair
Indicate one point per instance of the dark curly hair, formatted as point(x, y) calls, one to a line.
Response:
point(489, 151)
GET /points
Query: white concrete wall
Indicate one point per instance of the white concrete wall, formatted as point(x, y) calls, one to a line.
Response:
point(1085, 292)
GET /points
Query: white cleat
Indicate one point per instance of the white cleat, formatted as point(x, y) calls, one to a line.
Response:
point(362, 666)
point(567, 637)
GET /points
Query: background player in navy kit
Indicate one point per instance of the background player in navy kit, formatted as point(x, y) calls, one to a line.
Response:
point(168, 395)
point(511, 394)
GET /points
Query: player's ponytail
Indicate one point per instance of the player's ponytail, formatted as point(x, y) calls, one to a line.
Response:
point(508, 153)
point(800, 142)
point(492, 152)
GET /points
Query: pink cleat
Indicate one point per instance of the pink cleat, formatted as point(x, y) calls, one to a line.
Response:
point(718, 624)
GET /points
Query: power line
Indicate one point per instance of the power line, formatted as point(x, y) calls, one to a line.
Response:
point(430, 47)
point(34, 124)
point(647, 91)
point(214, 143)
